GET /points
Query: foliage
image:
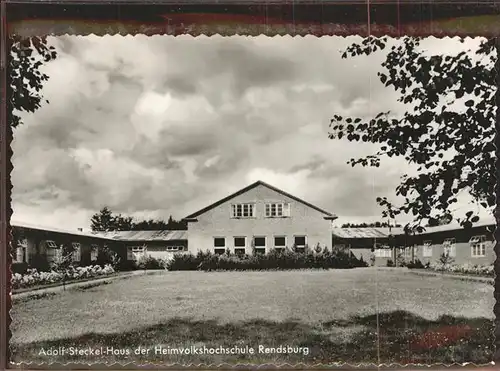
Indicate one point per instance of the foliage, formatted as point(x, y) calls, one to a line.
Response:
point(149, 262)
point(66, 258)
point(453, 149)
point(274, 259)
point(445, 259)
point(390, 263)
point(34, 277)
point(27, 55)
point(106, 256)
point(105, 221)
point(416, 264)
point(20, 268)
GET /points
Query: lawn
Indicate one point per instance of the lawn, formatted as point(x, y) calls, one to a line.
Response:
point(333, 313)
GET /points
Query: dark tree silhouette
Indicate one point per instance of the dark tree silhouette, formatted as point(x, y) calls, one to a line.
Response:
point(105, 221)
point(25, 79)
point(454, 149)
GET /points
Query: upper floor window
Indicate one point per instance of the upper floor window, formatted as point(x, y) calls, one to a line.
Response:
point(246, 210)
point(478, 246)
point(277, 209)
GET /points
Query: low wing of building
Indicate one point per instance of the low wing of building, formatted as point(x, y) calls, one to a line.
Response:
point(473, 246)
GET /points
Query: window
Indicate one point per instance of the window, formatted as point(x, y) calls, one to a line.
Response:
point(243, 210)
point(478, 246)
point(51, 244)
point(76, 251)
point(449, 247)
point(94, 251)
point(259, 244)
point(259, 241)
point(130, 254)
point(277, 210)
point(383, 253)
point(239, 251)
point(219, 251)
point(219, 242)
point(279, 242)
point(138, 249)
point(174, 248)
point(300, 241)
point(240, 242)
point(427, 252)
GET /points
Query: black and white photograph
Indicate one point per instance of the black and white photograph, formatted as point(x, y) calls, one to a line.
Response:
point(253, 200)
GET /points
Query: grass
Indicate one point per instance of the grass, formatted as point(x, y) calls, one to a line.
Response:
point(421, 319)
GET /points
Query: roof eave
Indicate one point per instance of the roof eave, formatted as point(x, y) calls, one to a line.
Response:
point(330, 217)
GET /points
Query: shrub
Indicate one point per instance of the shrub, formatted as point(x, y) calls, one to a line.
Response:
point(149, 262)
point(416, 264)
point(20, 268)
point(390, 263)
point(316, 258)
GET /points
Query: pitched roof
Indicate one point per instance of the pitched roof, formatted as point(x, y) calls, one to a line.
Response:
point(369, 232)
point(159, 235)
point(248, 188)
point(372, 232)
point(15, 224)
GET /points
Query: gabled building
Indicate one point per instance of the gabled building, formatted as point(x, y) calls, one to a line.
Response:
point(260, 217)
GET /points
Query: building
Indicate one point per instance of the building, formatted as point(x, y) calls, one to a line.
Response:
point(33, 241)
point(473, 246)
point(259, 216)
point(157, 244)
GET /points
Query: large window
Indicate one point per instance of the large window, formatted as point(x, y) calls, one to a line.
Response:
point(277, 209)
point(427, 251)
point(259, 243)
point(279, 242)
point(246, 210)
point(94, 252)
point(383, 253)
point(478, 246)
point(300, 241)
point(449, 247)
point(76, 251)
point(240, 242)
point(219, 242)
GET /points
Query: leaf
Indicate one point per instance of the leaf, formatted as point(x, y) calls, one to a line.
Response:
point(469, 103)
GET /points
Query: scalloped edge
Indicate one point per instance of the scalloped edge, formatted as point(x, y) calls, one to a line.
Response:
point(346, 31)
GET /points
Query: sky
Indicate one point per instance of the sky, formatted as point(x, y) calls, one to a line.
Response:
point(159, 126)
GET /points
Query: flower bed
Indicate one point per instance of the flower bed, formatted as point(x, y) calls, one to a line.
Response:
point(466, 269)
point(34, 278)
